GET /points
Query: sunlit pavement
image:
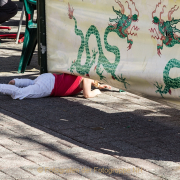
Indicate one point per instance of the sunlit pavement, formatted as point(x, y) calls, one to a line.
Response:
point(113, 136)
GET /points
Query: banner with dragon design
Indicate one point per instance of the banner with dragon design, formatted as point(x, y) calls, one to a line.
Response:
point(133, 45)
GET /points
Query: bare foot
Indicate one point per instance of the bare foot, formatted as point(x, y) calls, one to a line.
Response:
point(12, 82)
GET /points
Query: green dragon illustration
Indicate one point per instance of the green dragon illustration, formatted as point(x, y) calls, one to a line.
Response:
point(121, 26)
point(166, 32)
point(169, 82)
point(169, 38)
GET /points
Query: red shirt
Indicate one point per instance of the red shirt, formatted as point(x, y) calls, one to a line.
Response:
point(66, 84)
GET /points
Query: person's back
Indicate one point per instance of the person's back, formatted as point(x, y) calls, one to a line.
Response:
point(66, 84)
point(8, 9)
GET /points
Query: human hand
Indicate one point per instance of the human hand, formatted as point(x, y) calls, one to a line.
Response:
point(103, 86)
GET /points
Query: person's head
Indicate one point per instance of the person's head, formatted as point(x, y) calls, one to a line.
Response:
point(95, 83)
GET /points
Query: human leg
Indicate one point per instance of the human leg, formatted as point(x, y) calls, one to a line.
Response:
point(22, 82)
point(32, 91)
point(42, 87)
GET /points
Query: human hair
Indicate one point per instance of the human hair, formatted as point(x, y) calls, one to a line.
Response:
point(96, 83)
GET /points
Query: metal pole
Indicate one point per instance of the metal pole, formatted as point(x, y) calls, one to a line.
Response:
point(20, 23)
point(42, 48)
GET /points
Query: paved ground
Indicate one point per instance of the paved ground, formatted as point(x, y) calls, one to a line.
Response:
point(114, 136)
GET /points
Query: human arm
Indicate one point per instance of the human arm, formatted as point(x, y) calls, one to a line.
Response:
point(87, 92)
point(87, 83)
point(96, 84)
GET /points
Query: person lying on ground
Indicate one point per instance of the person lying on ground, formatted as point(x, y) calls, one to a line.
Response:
point(49, 84)
point(8, 9)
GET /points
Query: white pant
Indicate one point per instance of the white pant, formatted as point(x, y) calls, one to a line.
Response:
point(42, 86)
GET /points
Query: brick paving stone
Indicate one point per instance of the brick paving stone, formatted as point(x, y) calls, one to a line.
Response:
point(40, 172)
point(57, 139)
point(54, 155)
point(14, 145)
point(126, 168)
point(44, 178)
point(17, 173)
point(34, 156)
point(4, 176)
point(62, 169)
point(9, 161)
point(145, 165)
point(6, 133)
point(166, 164)
point(83, 169)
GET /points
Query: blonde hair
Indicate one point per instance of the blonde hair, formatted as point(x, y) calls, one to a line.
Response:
point(96, 83)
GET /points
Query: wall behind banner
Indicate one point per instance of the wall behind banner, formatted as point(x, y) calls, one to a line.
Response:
point(131, 45)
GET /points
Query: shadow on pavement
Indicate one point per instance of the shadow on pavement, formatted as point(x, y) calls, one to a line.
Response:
point(123, 134)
